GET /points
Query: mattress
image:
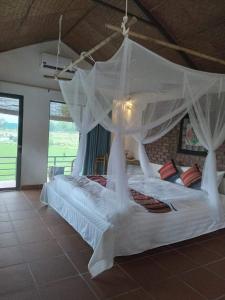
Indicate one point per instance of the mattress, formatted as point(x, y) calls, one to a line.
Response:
point(91, 210)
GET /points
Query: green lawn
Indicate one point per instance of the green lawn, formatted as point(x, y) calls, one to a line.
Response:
point(60, 144)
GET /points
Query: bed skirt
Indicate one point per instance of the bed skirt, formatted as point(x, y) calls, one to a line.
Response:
point(99, 235)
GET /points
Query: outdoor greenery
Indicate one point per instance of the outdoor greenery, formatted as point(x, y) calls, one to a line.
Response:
point(63, 142)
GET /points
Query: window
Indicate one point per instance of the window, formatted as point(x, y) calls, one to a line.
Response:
point(63, 140)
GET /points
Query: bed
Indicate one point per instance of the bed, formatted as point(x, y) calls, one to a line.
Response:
point(92, 211)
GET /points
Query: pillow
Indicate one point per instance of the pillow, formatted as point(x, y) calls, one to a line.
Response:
point(220, 175)
point(191, 176)
point(169, 171)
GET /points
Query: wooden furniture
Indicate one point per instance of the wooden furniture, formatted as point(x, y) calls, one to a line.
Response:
point(101, 161)
point(133, 161)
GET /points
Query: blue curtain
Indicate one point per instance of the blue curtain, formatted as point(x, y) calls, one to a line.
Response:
point(98, 144)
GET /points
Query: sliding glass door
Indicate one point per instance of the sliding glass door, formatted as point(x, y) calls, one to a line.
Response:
point(11, 115)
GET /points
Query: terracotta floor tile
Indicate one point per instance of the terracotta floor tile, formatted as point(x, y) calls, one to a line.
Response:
point(33, 195)
point(222, 298)
point(52, 220)
point(174, 262)
point(16, 200)
point(80, 259)
point(33, 235)
point(68, 289)
point(146, 271)
point(15, 278)
point(5, 227)
point(217, 245)
point(25, 295)
point(22, 214)
point(205, 282)
point(47, 211)
point(11, 197)
point(199, 254)
point(40, 250)
point(19, 206)
point(28, 224)
point(8, 239)
point(158, 250)
point(50, 217)
point(52, 269)
point(129, 258)
point(58, 276)
point(218, 268)
point(184, 243)
point(221, 232)
point(4, 217)
point(10, 256)
point(73, 243)
point(139, 294)
point(173, 289)
point(111, 283)
point(37, 204)
point(61, 230)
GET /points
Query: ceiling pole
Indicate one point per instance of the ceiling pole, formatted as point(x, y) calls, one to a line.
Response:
point(164, 32)
point(169, 45)
point(97, 47)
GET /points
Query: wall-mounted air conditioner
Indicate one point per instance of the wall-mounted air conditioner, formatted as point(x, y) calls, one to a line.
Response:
point(49, 64)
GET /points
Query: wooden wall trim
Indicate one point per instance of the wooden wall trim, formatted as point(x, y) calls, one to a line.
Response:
point(32, 187)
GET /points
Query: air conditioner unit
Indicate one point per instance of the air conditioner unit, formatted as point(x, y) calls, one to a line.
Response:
point(49, 65)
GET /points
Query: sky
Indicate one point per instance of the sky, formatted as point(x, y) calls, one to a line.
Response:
point(9, 118)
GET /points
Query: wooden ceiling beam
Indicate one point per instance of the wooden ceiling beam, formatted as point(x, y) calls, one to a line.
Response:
point(165, 33)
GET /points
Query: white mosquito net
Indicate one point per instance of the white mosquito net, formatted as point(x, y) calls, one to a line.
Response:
point(141, 94)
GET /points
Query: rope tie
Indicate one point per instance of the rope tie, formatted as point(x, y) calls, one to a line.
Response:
point(89, 56)
point(59, 45)
point(125, 31)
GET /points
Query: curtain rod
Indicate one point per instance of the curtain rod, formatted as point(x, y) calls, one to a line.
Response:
point(97, 47)
point(169, 45)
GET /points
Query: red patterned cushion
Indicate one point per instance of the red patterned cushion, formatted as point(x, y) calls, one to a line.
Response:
point(192, 175)
point(168, 169)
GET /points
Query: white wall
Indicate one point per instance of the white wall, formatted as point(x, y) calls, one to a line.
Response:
point(19, 74)
point(131, 145)
point(35, 130)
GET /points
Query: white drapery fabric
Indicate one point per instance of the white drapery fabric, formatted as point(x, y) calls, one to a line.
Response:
point(207, 116)
point(147, 96)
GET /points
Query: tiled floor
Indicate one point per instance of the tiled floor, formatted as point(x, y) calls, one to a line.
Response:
point(42, 257)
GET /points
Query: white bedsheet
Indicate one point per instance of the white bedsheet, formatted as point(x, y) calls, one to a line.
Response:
point(90, 209)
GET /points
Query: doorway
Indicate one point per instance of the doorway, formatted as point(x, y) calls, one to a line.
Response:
point(11, 120)
point(63, 140)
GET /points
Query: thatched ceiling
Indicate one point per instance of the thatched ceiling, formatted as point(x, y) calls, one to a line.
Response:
point(196, 24)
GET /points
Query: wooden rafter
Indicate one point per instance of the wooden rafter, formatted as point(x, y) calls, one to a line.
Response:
point(164, 32)
point(97, 47)
point(169, 45)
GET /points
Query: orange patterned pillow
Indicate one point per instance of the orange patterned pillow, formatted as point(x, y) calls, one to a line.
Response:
point(168, 169)
point(191, 176)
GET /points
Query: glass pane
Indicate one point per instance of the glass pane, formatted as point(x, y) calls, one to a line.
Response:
point(63, 140)
point(9, 116)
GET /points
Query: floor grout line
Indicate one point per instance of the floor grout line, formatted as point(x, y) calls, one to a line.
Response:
point(120, 265)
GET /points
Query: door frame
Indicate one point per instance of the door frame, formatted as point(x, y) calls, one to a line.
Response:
point(19, 140)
